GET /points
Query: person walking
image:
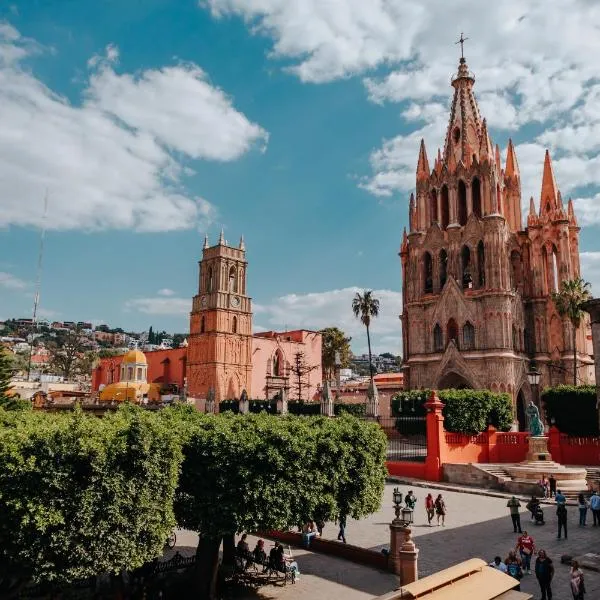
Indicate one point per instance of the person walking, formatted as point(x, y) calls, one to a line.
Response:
point(430, 508)
point(440, 509)
point(544, 571)
point(577, 583)
point(552, 485)
point(583, 506)
point(595, 506)
point(515, 517)
point(342, 531)
point(560, 498)
point(410, 500)
point(561, 514)
point(526, 547)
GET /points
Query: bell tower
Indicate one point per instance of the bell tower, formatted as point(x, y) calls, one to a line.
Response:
point(220, 344)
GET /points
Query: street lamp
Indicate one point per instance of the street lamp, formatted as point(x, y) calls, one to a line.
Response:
point(407, 515)
point(397, 502)
point(534, 376)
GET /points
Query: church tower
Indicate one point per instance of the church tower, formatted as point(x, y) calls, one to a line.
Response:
point(220, 343)
point(477, 306)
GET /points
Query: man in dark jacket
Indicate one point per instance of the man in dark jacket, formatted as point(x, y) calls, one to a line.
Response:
point(561, 514)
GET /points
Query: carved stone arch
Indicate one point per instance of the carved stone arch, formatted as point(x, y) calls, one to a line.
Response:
point(434, 239)
point(473, 230)
point(453, 362)
point(451, 302)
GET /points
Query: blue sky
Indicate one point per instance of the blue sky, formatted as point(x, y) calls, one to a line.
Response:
point(294, 123)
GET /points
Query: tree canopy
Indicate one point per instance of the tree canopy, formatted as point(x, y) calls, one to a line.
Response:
point(81, 496)
point(334, 341)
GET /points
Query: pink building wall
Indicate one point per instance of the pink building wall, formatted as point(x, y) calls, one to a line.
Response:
point(270, 348)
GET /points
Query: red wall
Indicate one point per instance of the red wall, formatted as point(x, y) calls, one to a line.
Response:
point(164, 366)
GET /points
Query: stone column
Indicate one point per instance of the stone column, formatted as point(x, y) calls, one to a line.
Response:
point(403, 559)
point(372, 408)
point(282, 402)
point(593, 307)
point(436, 438)
point(327, 408)
point(244, 406)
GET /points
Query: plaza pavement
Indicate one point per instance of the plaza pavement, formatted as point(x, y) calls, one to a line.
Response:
point(476, 526)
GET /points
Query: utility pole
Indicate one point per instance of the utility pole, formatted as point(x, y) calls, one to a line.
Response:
point(38, 283)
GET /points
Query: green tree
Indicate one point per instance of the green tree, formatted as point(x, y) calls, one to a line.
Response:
point(334, 341)
point(366, 307)
point(6, 373)
point(65, 352)
point(260, 472)
point(151, 336)
point(81, 496)
point(569, 299)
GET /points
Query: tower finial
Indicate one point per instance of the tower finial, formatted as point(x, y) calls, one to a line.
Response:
point(205, 241)
point(222, 238)
point(423, 164)
point(242, 244)
point(462, 41)
point(512, 167)
point(549, 188)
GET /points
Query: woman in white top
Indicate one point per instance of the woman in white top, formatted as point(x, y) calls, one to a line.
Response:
point(577, 585)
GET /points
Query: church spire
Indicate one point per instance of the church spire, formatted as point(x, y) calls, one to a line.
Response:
point(549, 188)
point(222, 238)
point(423, 164)
point(512, 166)
point(205, 242)
point(485, 144)
point(462, 137)
point(532, 218)
point(571, 214)
point(242, 243)
point(412, 220)
point(404, 244)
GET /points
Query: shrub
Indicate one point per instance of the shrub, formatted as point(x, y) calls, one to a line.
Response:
point(572, 409)
point(465, 411)
point(357, 410)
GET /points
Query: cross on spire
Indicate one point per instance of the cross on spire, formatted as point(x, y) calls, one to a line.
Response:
point(462, 41)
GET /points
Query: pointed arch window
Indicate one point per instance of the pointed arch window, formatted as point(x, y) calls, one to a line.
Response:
point(480, 264)
point(465, 259)
point(427, 273)
point(445, 208)
point(443, 267)
point(433, 207)
point(233, 287)
point(555, 275)
point(515, 338)
point(277, 364)
point(209, 282)
point(468, 336)
point(452, 332)
point(476, 196)
point(234, 325)
point(515, 264)
point(202, 325)
point(438, 338)
point(462, 203)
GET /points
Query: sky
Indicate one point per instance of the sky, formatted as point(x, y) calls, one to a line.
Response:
point(146, 124)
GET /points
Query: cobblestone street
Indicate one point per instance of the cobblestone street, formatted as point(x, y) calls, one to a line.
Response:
point(476, 526)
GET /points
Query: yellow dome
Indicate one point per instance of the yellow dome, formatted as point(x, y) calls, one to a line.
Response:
point(135, 357)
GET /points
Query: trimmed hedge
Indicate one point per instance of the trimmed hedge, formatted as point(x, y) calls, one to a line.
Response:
point(465, 411)
point(572, 409)
point(294, 407)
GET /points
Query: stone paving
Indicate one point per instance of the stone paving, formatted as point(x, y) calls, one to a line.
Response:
point(476, 526)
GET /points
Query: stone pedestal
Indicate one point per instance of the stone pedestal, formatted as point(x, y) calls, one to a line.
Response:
point(403, 559)
point(538, 449)
point(372, 408)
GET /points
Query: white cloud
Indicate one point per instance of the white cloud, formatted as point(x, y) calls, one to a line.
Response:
point(160, 305)
point(404, 49)
point(10, 282)
point(166, 292)
point(115, 161)
point(590, 270)
point(332, 308)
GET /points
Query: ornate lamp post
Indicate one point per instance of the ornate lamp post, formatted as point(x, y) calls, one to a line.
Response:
point(403, 553)
point(534, 376)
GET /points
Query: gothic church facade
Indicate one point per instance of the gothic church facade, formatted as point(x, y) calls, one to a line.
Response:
point(476, 284)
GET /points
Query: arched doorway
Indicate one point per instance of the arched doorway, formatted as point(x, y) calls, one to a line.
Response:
point(453, 380)
point(521, 414)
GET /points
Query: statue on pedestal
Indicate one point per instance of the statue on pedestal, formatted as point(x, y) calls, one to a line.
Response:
point(244, 404)
point(372, 408)
point(210, 401)
point(536, 428)
point(327, 400)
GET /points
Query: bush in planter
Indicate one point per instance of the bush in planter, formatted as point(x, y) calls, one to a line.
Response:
point(465, 411)
point(572, 409)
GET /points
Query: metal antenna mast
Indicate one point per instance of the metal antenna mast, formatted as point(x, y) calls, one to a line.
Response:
point(38, 281)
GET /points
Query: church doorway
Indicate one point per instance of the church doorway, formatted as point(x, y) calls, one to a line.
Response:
point(454, 381)
point(521, 414)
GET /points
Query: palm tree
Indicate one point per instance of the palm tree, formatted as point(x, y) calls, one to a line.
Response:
point(568, 301)
point(365, 306)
